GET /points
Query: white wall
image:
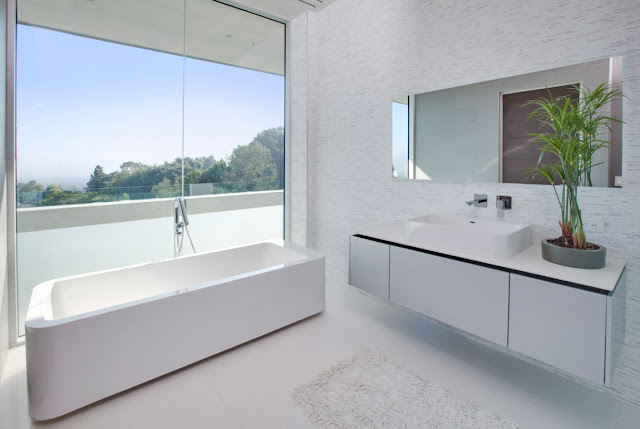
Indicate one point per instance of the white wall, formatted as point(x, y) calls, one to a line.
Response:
point(361, 53)
point(296, 153)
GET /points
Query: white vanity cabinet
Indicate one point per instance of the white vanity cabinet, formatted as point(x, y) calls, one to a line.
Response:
point(560, 325)
point(369, 266)
point(470, 297)
point(575, 326)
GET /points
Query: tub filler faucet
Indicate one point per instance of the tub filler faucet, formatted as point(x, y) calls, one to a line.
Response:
point(181, 224)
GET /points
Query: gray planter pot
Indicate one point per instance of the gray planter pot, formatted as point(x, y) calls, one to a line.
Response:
point(576, 258)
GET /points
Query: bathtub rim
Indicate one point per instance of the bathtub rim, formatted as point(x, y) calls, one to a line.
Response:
point(38, 311)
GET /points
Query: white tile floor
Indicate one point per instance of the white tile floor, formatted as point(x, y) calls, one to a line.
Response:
point(250, 386)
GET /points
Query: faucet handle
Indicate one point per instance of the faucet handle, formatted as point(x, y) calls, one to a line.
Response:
point(503, 202)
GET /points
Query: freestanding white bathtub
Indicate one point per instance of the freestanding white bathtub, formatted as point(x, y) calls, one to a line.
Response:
point(94, 335)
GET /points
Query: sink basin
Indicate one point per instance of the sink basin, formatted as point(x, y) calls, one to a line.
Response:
point(483, 237)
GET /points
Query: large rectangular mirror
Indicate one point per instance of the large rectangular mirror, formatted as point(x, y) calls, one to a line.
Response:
point(480, 132)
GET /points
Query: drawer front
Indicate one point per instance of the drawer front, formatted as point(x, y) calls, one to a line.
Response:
point(467, 296)
point(369, 266)
point(559, 325)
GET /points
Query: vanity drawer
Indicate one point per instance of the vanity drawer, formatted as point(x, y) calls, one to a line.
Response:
point(560, 325)
point(467, 296)
point(369, 266)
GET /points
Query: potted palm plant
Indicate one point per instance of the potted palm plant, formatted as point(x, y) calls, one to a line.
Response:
point(575, 129)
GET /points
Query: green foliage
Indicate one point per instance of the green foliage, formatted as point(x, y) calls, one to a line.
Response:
point(192, 177)
point(142, 177)
point(29, 193)
point(574, 138)
point(273, 139)
point(53, 189)
point(31, 186)
point(69, 197)
point(215, 172)
point(257, 166)
point(251, 165)
point(99, 179)
point(165, 189)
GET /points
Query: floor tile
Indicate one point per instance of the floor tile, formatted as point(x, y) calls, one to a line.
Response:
point(629, 417)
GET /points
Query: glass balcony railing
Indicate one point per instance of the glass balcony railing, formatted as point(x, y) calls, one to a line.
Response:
point(54, 196)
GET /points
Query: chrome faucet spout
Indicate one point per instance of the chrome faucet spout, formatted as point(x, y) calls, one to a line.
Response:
point(479, 200)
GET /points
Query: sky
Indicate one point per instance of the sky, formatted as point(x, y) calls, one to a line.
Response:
point(81, 102)
point(400, 137)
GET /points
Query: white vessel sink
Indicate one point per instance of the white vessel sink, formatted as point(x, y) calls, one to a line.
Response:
point(483, 237)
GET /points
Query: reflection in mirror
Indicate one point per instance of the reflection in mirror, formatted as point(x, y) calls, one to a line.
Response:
point(480, 132)
point(400, 137)
point(518, 152)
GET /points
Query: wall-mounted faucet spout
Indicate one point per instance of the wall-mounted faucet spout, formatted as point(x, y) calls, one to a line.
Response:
point(476, 202)
point(479, 200)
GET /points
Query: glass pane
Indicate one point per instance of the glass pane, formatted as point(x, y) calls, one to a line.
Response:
point(99, 134)
point(234, 126)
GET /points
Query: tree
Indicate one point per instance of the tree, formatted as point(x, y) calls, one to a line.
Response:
point(99, 179)
point(30, 193)
point(256, 166)
point(273, 139)
point(165, 189)
point(130, 167)
point(215, 173)
point(194, 176)
point(31, 186)
point(250, 167)
point(52, 189)
point(70, 197)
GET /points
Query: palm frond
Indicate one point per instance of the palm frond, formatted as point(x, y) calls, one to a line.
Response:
point(573, 140)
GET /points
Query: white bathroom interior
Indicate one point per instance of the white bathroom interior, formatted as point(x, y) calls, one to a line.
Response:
point(211, 207)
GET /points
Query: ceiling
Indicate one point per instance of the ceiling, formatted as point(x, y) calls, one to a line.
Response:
point(214, 31)
point(282, 9)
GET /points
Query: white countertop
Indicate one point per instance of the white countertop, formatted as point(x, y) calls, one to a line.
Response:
point(529, 261)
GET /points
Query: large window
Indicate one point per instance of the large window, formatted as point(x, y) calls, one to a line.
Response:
point(104, 121)
point(121, 106)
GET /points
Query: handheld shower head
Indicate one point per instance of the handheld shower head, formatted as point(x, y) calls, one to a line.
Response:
point(183, 209)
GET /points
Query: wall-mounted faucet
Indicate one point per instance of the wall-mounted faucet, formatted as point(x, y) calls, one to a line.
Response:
point(479, 200)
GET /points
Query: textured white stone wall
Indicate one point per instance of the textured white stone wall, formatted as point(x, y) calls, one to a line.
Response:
point(361, 53)
point(297, 149)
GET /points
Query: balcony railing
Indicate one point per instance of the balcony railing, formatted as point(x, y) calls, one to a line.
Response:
point(75, 215)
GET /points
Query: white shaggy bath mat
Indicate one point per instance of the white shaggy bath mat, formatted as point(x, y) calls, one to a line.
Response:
point(369, 390)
